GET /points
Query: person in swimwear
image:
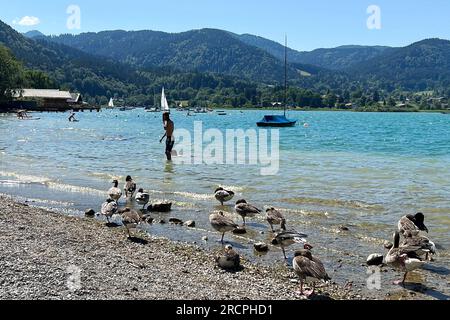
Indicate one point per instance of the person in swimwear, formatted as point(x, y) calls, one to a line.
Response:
point(169, 126)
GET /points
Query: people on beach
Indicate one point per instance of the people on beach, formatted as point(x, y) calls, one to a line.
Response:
point(169, 127)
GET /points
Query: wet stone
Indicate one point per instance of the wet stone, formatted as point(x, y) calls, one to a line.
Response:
point(89, 212)
point(375, 259)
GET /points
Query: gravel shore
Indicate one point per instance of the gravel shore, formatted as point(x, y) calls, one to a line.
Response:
point(42, 254)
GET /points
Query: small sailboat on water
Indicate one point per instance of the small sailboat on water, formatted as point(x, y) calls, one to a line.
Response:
point(279, 120)
point(164, 104)
point(111, 103)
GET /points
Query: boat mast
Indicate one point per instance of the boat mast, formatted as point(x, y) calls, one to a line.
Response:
point(285, 76)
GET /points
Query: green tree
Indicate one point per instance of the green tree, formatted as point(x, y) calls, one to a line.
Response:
point(10, 75)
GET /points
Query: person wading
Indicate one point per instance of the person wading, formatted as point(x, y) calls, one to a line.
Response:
point(72, 117)
point(169, 127)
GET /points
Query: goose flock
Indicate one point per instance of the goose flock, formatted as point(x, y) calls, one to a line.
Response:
point(406, 255)
point(130, 218)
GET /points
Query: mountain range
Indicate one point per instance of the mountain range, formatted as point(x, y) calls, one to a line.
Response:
point(215, 64)
point(205, 50)
point(419, 66)
point(339, 58)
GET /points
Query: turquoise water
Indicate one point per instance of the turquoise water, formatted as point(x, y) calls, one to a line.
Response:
point(365, 170)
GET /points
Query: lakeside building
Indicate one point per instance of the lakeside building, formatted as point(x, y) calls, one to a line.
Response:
point(49, 100)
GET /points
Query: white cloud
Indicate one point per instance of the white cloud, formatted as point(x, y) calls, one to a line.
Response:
point(27, 21)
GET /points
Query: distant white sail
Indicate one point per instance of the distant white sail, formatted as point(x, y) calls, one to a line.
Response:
point(164, 104)
point(111, 103)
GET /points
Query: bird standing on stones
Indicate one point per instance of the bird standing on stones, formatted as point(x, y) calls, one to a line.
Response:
point(115, 193)
point(130, 219)
point(223, 195)
point(109, 208)
point(412, 223)
point(230, 260)
point(221, 223)
point(129, 188)
point(424, 246)
point(308, 268)
point(403, 258)
point(142, 198)
point(275, 217)
point(246, 210)
point(286, 238)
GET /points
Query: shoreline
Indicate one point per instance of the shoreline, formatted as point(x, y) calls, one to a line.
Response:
point(440, 111)
point(41, 249)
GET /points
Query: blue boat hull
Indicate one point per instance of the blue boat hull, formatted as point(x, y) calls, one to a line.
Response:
point(276, 121)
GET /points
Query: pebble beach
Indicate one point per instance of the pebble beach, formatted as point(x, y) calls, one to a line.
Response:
point(39, 251)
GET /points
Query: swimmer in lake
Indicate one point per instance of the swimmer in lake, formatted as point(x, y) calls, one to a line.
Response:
point(72, 117)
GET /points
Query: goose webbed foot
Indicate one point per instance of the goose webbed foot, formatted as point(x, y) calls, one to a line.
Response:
point(304, 293)
point(308, 293)
point(128, 233)
point(401, 282)
point(398, 282)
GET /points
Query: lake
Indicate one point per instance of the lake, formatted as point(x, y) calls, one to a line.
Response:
point(362, 170)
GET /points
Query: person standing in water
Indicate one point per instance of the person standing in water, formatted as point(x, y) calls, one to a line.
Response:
point(170, 128)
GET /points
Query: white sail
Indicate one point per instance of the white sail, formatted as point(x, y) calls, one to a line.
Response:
point(111, 103)
point(164, 104)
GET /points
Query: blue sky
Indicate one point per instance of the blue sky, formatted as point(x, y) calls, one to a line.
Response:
point(309, 24)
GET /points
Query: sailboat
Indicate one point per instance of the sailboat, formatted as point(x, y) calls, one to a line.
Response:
point(164, 104)
point(111, 103)
point(279, 120)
